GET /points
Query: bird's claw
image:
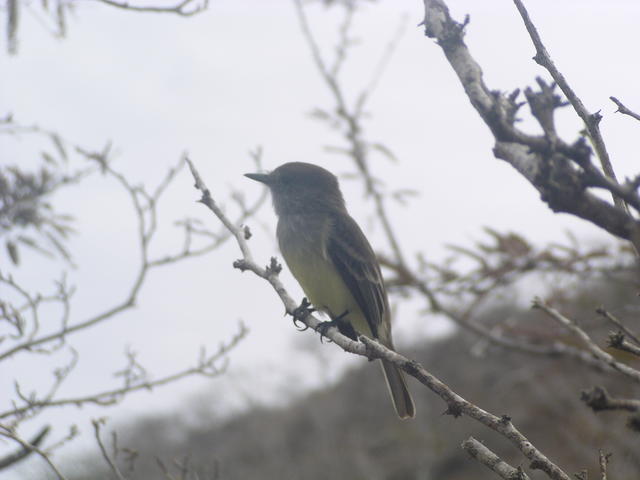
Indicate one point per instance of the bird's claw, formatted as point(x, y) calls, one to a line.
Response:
point(301, 312)
point(324, 326)
point(343, 326)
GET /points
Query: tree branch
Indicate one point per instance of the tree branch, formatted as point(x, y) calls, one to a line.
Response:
point(624, 110)
point(485, 456)
point(591, 121)
point(615, 321)
point(600, 354)
point(561, 172)
point(25, 452)
point(372, 349)
point(598, 399)
point(618, 340)
point(11, 434)
point(351, 116)
point(112, 466)
point(182, 8)
point(206, 365)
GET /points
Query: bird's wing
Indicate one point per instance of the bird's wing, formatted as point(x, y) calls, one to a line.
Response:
point(355, 260)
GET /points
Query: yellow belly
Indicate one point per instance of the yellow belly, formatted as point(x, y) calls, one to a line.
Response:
point(324, 287)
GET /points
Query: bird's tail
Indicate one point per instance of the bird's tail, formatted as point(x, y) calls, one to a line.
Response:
point(400, 395)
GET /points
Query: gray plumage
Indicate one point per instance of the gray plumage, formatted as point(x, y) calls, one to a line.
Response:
point(332, 260)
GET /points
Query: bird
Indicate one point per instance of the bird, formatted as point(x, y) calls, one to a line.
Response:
point(332, 260)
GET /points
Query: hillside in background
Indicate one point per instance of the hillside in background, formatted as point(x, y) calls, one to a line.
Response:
point(350, 430)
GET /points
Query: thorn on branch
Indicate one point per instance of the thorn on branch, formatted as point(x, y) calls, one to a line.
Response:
point(247, 232)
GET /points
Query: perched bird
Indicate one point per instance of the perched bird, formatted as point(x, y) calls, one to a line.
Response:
point(332, 260)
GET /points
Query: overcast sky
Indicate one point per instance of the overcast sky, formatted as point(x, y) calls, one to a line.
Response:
point(239, 76)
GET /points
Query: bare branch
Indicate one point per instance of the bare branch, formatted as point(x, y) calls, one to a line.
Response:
point(97, 423)
point(351, 117)
point(372, 349)
point(618, 340)
point(499, 265)
point(145, 208)
point(207, 364)
point(560, 171)
point(591, 121)
point(600, 354)
point(11, 434)
point(599, 399)
point(607, 315)
point(184, 8)
point(25, 452)
point(485, 456)
point(603, 461)
point(624, 110)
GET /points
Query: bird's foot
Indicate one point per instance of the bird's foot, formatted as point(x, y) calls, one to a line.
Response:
point(343, 326)
point(301, 312)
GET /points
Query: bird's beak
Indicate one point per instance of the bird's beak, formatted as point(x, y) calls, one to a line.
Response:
point(259, 177)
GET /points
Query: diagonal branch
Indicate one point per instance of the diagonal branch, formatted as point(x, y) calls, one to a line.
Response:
point(591, 121)
point(456, 405)
point(560, 171)
point(30, 447)
point(613, 319)
point(485, 456)
point(25, 452)
point(624, 110)
point(597, 352)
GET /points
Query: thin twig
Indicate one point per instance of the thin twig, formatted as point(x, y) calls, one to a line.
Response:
point(485, 456)
point(352, 117)
point(178, 9)
point(609, 316)
point(9, 433)
point(372, 349)
point(600, 354)
point(624, 110)
point(25, 452)
point(205, 366)
point(598, 399)
point(112, 466)
point(591, 121)
point(618, 340)
point(604, 460)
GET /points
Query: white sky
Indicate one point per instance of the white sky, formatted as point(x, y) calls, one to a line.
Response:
point(240, 75)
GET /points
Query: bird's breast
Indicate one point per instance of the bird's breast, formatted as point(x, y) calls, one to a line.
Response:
point(303, 245)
